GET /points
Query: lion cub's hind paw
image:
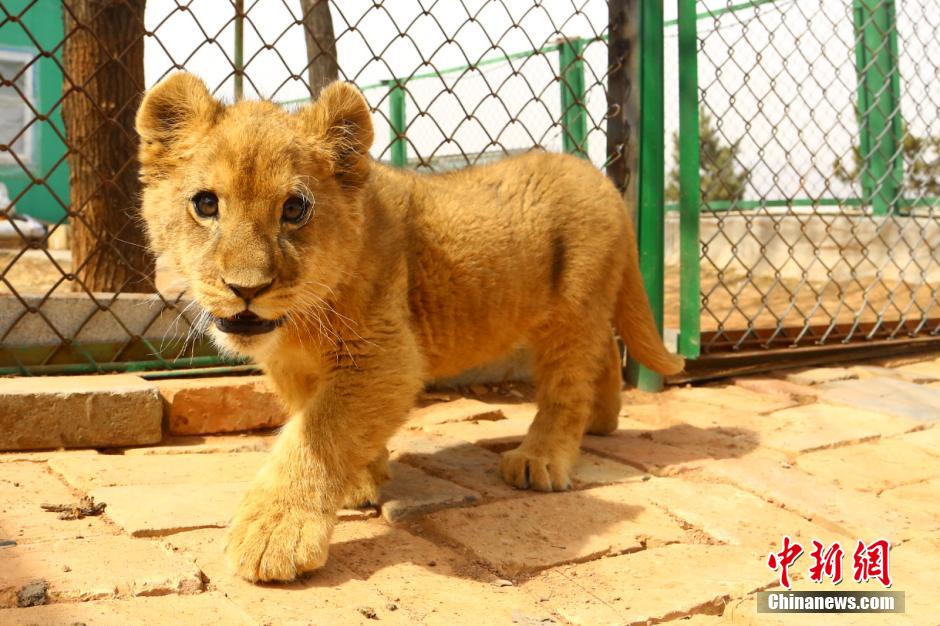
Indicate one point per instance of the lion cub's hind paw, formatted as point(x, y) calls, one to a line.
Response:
point(523, 470)
point(362, 496)
point(364, 493)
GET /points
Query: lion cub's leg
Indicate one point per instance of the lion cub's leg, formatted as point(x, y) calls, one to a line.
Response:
point(364, 490)
point(282, 527)
point(606, 412)
point(567, 363)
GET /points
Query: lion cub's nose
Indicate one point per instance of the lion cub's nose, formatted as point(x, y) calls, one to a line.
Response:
point(249, 293)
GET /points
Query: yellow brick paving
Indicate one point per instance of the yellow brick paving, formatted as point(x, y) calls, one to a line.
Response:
point(671, 519)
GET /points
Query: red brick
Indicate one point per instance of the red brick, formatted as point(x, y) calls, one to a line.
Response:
point(460, 410)
point(403, 578)
point(917, 375)
point(43, 456)
point(838, 509)
point(637, 448)
point(927, 440)
point(886, 395)
point(107, 470)
point(654, 585)
point(477, 468)
point(331, 595)
point(915, 499)
point(926, 371)
point(779, 387)
point(530, 534)
point(411, 492)
point(913, 570)
point(210, 444)
point(820, 375)
point(78, 411)
point(591, 471)
point(460, 462)
point(707, 431)
point(872, 466)
point(495, 434)
point(154, 510)
point(704, 620)
point(816, 426)
point(672, 412)
point(431, 584)
point(718, 441)
point(201, 406)
point(94, 568)
point(24, 487)
point(732, 397)
point(653, 414)
point(755, 523)
point(205, 609)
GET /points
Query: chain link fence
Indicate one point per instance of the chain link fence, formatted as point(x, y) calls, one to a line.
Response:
point(801, 159)
point(818, 174)
point(450, 83)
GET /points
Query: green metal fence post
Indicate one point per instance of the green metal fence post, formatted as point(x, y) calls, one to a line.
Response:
point(651, 176)
point(879, 101)
point(239, 53)
point(573, 111)
point(689, 184)
point(397, 123)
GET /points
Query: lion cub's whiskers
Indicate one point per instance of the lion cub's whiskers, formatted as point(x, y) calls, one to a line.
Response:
point(181, 313)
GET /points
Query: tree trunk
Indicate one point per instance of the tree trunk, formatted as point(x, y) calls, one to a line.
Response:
point(623, 106)
point(323, 67)
point(103, 63)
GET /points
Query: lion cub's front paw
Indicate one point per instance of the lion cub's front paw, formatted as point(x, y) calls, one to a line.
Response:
point(271, 541)
point(524, 470)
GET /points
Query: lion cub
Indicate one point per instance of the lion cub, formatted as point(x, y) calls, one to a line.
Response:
point(351, 283)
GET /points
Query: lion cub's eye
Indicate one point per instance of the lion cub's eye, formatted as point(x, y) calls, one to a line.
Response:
point(206, 204)
point(296, 210)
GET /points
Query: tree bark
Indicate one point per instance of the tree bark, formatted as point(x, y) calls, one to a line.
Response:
point(623, 106)
point(103, 63)
point(323, 67)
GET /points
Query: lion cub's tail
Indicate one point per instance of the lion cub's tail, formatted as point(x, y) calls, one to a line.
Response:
point(634, 320)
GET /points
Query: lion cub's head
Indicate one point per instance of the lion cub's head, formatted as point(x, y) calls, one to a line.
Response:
point(258, 208)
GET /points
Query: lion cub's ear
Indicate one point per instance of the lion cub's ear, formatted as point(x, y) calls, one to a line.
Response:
point(341, 119)
point(178, 105)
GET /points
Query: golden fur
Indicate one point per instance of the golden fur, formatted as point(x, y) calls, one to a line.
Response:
point(397, 278)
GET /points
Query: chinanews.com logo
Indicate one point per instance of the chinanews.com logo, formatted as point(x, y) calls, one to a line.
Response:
point(869, 562)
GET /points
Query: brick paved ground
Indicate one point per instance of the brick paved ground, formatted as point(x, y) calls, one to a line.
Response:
point(671, 518)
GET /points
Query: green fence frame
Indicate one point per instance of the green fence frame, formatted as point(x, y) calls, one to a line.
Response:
point(880, 139)
point(238, 61)
point(879, 108)
point(398, 123)
point(650, 136)
point(572, 98)
point(573, 110)
point(881, 135)
point(690, 306)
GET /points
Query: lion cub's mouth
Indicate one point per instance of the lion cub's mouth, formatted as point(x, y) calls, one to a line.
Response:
point(246, 323)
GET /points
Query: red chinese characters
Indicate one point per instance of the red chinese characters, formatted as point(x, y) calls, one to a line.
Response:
point(871, 561)
point(784, 559)
point(826, 564)
point(868, 561)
